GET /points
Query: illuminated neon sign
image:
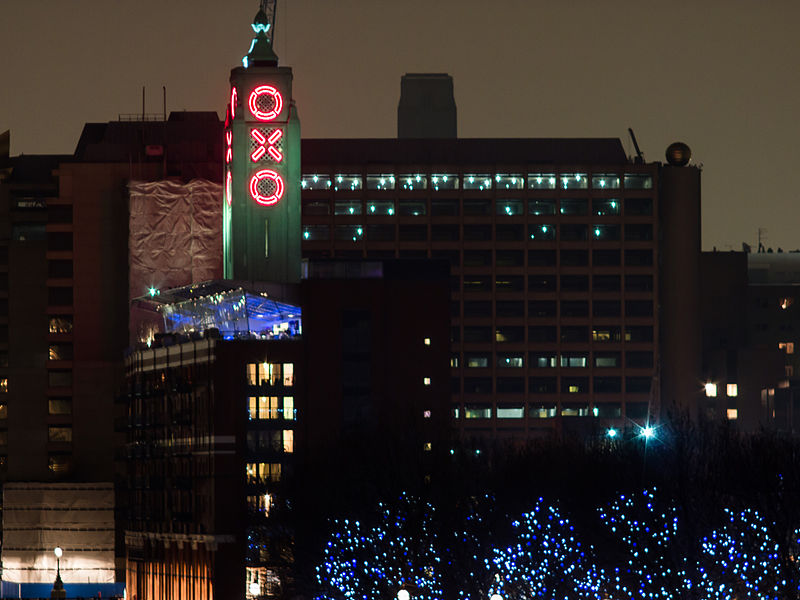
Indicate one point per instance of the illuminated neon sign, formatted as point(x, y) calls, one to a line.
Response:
point(234, 99)
point(229, 142)
point(266, 145)
point(229, 187)
point(266, 187)
point(266, 103)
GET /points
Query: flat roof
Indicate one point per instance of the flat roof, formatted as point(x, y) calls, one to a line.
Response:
point(464, 151)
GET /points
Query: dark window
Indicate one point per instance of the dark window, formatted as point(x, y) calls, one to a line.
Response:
point(541, 258)
point(509, 233)
point(542, 385)
point(572, 334)
point(455, 309)
point(445, 208)
point(638, 333)
point(312, 233)
point(474, 334)
point(638, 308)
point(509, 207)
point(545, 282)
point(477, 208)
point(412, 208)
point(477, 308)
point(606, 308)
point(59, 214)
point(639, 360)
point(455, 334)
point(605, 283)
point(574, 283)
point(510, 258)
point(574, 258)
point(477, 385)
point(638, 232)
point(605, 233)
point(638, 206)
point(574, 232)
point(605, 258)
point(638, 283)
point(59, 296)
point(477, 233)
point(413, 233)
point(380, 233)
point(509, 334)
point(542, 333)
point(31, 232)
point(636, 410)
point(638, 258)
point(541, 232)
point(444, 233)
point(607, 385)
point(510, 308)
point(477, 258)
point(603, 207)
point(538, 309)
point(573, 207)
point(316, 207)
point(451, 256)
point(608, 410)
point(510, 385)
point(477, 283)
point(574, 308)
point(637, 385)
point(413, 253)
point(509, 283)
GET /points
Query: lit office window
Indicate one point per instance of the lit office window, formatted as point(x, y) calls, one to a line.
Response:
point(345, 233)
point(542, 411)
point(505, 181)
point(315, 182)
point(711, 390)
point(542, 206)
point(59, 463)
point(3, 385)
point(347, 207)
point(575, 410)
point(288, 440)
point(785, 303)
point(415, 181)
point(732, 414)
point(59, 434)
point(542, 232)
point(288, 408)
point(638, 181)
point(347, 182)
point(288, 374)
point(61, 324)
point(605, 181)
point(475, 181)
point(477, 412)
point(427, 341)
point(787, 347)
point(574, 181)
point(59, 406)
point(380, 181)
point(510, 208)
point(444, 181)
point(510, 412)
point(426, 414)
point(733, 390)
point(607, 233)
point(262, 472)
point(316, 233)
point(605, 207)
point(542, 181)
point(380, 208)
point(510, 361)
point(427, 447)
point(476, 361)
point(426, 381)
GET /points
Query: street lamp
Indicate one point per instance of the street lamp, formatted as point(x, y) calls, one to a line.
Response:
point(58, 586)
point(403, 594)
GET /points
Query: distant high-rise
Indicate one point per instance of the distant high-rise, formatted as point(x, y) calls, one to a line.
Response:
point(427, 106)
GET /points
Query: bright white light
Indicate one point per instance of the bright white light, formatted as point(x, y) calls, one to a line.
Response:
point(711, 390)
point(255, 589)
point(648, 432)
point(612, 433)
point(403, 595)
point(496, 597)
point(58, 551)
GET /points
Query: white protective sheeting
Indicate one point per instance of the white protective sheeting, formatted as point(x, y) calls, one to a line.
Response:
point(175, 234)
point(79, 518)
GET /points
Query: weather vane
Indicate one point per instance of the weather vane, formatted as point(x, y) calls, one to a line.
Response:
point(264, 27)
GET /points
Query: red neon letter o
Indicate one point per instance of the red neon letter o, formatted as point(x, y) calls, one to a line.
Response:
point(275, 196)
point(276, 109)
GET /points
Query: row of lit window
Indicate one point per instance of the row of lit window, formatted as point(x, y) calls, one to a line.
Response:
point(539, 232)
point(538, 309)
point(568, 207)
point(476, 181)
point(731, 389)
point(568, 334)
point(610, 410)
point(271, 408)
point(270, 374)
point(262, 472)
point(551, 360)
point(550, 385)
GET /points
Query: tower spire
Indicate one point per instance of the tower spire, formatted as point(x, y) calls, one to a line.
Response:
point(261, 51)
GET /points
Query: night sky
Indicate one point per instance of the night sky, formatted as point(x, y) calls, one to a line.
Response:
point(720, 75)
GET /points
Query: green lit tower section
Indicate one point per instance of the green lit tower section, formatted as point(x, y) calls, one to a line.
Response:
point(261, 213)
